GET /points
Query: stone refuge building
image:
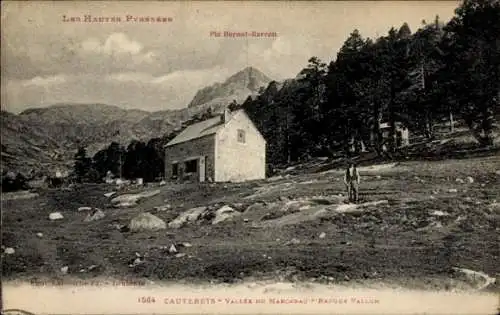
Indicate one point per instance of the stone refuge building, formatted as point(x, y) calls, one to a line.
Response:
point(402, 134)
point(226, 148)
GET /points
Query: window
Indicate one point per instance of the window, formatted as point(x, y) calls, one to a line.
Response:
point(241, 135)
point(175, 170)
point(191, 166)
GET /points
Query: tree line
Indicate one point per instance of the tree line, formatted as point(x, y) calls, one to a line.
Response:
point(441, 72)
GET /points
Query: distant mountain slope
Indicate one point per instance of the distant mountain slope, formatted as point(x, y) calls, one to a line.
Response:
point(40, 138)
point(237, 87)
point(26, 147)
point(82, 114)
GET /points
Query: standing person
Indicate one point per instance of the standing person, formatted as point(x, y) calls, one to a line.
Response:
point(352, 180)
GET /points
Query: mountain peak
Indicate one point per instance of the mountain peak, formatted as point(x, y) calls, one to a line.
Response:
point(237, 87)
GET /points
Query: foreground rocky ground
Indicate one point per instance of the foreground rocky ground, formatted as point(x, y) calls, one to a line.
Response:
point(421, 225)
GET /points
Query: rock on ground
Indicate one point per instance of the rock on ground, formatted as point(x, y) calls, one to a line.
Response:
point(16, 195)
point(129, 200)
point(56, 216)
point(163, 208)
point(107, 195)
point(9, 251)
point(190, 215)
point(84, 208)
point(146, 222)
point(224, 213)
point(97, 214)
point(439, 213)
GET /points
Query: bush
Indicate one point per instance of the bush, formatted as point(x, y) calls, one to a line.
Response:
point(11, 182)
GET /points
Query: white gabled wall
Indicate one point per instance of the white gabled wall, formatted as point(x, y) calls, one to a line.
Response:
point(235, 161)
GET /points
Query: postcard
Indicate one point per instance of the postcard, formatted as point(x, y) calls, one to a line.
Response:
point(250, 157)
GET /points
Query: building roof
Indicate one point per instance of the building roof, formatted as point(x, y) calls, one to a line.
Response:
point(198, 130)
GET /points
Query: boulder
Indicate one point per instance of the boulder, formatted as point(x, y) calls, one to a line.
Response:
point(97, 214)
point(64, 270)
point(172, 249)
point(163, 208)
point(322, 235)
point(190, 215)
point(439, 213)
point(130, 200)
point(470, 180)
point(107, 195)
point(452, 190)
point(84, 208)
point(146, 222)
point(224, 213)
point(40, 235)
point(56, 216)
point(9, 251)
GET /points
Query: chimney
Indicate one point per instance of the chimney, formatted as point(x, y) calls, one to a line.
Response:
point(226, 116)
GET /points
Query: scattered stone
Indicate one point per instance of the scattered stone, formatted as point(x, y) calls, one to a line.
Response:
point(17, 195)
point(92, 267)
point(163, 208)
point(245, 220)
point(130, 200)
point(190, 215)
point(460, 181)
point(39, 234)
point(483, 185)
point(97, 214)
point(293, 241)
point(107, 195)
point(225, 213)
point(64, 270)
point(147, 222)
point(136, 262)
point(56, 216)
point(452, 190)
point(9, 251)
point(470, 180)
point(322, 235)
point(439, 213)
point(186, 244)
point(163, 183)
point(84, 208)
point(378, 177)
point(179, 255)
point(474, 276)
point(172, 249)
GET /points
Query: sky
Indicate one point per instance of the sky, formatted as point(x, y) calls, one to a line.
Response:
point(48, 57)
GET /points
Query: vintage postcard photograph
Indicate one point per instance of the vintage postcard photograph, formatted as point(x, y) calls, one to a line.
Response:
point(250, 157)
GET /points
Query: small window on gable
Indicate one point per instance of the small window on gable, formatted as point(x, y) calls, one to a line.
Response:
point(241, 135)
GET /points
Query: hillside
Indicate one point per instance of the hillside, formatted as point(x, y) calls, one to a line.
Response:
point(40, 138)
point(27, 147)
point(414, 225)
